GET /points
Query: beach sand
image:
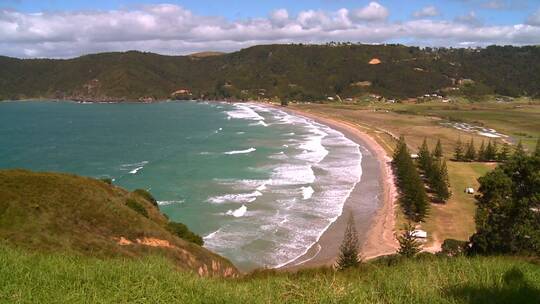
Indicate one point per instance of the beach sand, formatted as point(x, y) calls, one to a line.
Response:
point(372, 203)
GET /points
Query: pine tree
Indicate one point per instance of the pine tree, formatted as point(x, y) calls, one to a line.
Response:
point(495, 151)
point(520, 151)
point(458, 152)
point(470, 154)
point(408, 245)
point(348, 256)
point(413, 198)
point(438, 152)
point(489, 152)
point(424, 158)
point(441, 182)
point(482, 152)
point(505, 153)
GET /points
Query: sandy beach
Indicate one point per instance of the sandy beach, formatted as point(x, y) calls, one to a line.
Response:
point(371, 203)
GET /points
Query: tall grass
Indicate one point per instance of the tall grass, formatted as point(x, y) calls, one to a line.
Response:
point(40, 278)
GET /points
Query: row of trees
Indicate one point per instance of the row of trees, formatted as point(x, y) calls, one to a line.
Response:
point(485, 153)
point(413, 197)
point(435, 171)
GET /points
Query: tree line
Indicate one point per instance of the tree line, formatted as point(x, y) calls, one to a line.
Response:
point(485, 153)
point(435, 171)
point(412, 193)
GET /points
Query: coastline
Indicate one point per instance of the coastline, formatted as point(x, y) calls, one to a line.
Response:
point(374, 222)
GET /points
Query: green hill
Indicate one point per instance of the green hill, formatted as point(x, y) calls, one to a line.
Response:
point(42, 278)
point(300, 72)
point(67, 214)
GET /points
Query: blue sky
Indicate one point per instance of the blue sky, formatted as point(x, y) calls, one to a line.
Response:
point(54, 28)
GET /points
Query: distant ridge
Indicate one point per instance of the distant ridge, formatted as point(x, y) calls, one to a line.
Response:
point(206, 54)
point(291, 72)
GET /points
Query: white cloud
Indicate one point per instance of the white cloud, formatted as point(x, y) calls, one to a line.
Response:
point(469, 18)
point(534, 19)
point(372, 12)
point(279, 17)
point(171, 29)
point(428, 11)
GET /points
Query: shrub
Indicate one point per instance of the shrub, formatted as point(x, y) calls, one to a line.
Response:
point(451, 247)
point(146, 195)
point(183, 232)
point(137, 207)
point(106, 180)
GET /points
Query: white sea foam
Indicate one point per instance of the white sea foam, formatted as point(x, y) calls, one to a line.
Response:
point(243, 111)
point(211, 235)
point(238, 212)
point(330, 164)
point(167, 203)
point(307, 192)
point(134, 171)
point(235, 198)
point(240, 151)
point(292, 175)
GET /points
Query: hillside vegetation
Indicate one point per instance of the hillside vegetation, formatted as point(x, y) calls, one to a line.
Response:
point(62, 213)
point(39, 278)
point(295, 72)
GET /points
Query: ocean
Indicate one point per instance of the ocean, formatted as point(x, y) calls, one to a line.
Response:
point(259, 184)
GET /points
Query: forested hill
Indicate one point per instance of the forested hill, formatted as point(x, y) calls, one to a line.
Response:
point(294, 72)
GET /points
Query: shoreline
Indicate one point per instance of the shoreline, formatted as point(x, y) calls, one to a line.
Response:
point(377, 233)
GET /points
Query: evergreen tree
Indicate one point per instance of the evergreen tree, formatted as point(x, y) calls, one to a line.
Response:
point(482, 152)
point(537, 149)
point(424, 158)
point(438, 152)
point(507, 220)
point(458, 152)
point(470, 154)
point(495, 151)
point(408, 245)
point(441, 183)
point(520, 151)
point(348, 255)
point(490, 152)
point(413, 198)
point(505, 153)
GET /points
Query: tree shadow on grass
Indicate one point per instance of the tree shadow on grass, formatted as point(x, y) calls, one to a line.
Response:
point(515, 289)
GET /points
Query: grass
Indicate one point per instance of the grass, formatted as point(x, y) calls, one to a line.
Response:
point(455, 219)
point(520, 120)
point(42, 278)
point(52, 212)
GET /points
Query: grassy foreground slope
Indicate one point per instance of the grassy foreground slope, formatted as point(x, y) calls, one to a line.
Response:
point(31, 278)
point(68, 214)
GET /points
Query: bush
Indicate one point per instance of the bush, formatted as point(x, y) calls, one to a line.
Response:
point(183, 232)
point(451, 247)
point(146, 195)
point(106, 180)
point(137, 207)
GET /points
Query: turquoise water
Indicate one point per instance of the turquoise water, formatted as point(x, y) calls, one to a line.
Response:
point(261, 185)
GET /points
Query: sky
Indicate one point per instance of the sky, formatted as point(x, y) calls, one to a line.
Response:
point(66, 29)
